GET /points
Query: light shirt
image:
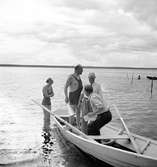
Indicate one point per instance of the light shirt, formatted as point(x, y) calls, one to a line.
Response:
point(98, 106)
point(97, 89)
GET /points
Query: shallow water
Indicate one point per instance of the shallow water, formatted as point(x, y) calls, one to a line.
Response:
point(22, 137)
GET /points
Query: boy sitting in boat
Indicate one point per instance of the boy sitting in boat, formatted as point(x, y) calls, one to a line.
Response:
point(100, 114)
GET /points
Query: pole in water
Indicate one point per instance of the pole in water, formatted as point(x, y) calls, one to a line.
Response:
point(151, 88)
point(132, 78)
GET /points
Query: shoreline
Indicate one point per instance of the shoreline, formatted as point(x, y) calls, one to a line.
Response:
point(68, 66)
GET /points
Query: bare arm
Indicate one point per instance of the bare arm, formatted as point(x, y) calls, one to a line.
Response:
point(100, 92)
point(67, 84)
point(52, 92)
point(66, 90)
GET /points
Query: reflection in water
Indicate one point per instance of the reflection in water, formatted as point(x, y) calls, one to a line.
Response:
point(47, 143)
point(47, 146)
point(57, 151)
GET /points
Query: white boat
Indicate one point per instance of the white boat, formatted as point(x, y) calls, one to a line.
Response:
point(125, 150)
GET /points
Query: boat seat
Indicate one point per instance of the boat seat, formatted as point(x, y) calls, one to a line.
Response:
point(96, 137)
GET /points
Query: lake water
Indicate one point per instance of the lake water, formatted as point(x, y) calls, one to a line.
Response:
point(22, 138)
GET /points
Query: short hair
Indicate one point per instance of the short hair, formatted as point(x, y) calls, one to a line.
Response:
point(88, 88)
point(77, 67)
point(49, 80)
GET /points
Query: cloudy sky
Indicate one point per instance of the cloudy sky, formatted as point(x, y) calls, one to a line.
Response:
point(89, 32)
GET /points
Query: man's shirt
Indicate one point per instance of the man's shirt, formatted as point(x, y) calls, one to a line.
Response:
point(97, 89)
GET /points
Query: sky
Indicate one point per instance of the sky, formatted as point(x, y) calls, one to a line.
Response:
point(87, 32)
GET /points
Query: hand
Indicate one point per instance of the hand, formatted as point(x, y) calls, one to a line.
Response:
point(52, 94)
point(91, 114)
point(86, 118)
point(90, 117)
point(66, 99)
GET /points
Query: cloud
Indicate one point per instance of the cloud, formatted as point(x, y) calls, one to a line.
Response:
point(144, 10)
point(91, 32)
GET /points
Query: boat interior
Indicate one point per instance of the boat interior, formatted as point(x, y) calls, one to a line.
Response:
point(101, 139)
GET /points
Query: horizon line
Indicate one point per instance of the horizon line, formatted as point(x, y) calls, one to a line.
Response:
point(72, 66)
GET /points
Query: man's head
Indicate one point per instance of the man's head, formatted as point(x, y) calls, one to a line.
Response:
point(49, 81)
point(88, 89)
point(91, 77)
point(78, 69)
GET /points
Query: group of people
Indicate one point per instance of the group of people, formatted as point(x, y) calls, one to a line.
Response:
point(92, 111)
point(87, 102)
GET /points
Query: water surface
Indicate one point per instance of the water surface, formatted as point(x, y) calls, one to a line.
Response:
point(21, 121)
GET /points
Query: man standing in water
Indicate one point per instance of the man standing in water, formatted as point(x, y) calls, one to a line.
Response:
point(72, 95)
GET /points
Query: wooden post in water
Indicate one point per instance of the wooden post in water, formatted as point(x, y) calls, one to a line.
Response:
point(152, 79)
point(132, 78)
point(151, 88)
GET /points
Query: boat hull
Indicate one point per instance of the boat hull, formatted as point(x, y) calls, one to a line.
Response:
point(113, 156)
point(118, 157)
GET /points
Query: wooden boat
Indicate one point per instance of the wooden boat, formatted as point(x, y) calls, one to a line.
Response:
point(152, 78)
point(125, 150)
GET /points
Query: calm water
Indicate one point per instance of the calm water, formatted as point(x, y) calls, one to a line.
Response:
point(21, 121)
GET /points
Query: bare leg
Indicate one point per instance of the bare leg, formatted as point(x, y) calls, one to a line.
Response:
point(46, 125)
point(77, 112)
point(71, 118)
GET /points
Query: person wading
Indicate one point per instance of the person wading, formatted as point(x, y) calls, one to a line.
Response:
point(47, 94)
point(72, 90)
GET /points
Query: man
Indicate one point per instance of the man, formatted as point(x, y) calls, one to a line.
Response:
point(100, 114)
point(72, 91)
point(95, 85)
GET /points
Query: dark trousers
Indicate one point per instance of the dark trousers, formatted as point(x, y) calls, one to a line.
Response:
point(101, 120)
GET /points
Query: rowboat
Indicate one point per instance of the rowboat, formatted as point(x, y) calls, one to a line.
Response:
point(125, 149)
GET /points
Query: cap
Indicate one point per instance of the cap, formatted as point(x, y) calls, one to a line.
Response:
point(91, 75)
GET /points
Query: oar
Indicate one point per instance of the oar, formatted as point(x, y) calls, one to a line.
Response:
point(54, 116)
point(127, 131)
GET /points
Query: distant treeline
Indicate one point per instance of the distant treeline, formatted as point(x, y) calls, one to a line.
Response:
point(66, 66)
